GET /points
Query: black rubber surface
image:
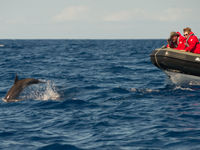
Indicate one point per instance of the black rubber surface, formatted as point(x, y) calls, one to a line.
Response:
point(176, 61)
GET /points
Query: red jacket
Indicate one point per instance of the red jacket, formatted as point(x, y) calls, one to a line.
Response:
point(180, 45)
point(191, 43)
point(180, 42)
point(197, 49)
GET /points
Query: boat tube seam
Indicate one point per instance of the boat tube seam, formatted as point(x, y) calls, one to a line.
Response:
point(177, 59)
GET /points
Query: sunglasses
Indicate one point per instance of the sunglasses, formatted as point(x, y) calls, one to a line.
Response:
point(185, 34)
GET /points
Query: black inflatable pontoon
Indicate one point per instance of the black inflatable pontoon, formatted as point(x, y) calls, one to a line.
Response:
point(178, 61)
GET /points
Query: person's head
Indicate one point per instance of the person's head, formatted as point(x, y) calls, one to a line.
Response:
point(174, 36)
point(187, 31)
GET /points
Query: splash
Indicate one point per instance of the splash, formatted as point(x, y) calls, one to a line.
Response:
point(183, 79)
point(44, 92)
point(183, 88)
point(50, 92)
point(144, 90)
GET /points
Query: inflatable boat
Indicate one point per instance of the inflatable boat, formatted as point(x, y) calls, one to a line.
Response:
point(177, 61)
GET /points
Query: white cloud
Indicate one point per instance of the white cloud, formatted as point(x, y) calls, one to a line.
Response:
point(174, 14)
point(167, 15)
point(119, 16)
point(81, 12)
point(125, 15)
point(72, 13)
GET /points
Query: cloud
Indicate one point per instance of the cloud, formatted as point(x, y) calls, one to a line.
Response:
point(174, 14)
point(72, 13)
point(82, 13)
point(119, 16)
point(167, 15)
point(127, 15)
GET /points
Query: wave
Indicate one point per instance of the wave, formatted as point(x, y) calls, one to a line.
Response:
point(59, 146)
point(144, 90)
point(183, 79)
point(167, 89)
point(183, 88)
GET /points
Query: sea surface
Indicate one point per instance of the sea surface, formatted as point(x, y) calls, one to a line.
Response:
point(97, 95)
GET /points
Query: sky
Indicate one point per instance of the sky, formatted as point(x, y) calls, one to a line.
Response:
point(97, 19)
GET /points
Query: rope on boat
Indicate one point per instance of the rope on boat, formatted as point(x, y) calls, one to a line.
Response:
point(157, 59)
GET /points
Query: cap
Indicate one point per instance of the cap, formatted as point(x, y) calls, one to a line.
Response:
point(172, 34)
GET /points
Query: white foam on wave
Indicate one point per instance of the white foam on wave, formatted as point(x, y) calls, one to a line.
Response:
point(144, 90)
point(46, 91)
point(183, 88)
point(183, 79)
point(13, 100)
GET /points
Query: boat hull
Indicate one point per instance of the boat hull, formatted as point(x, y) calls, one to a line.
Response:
point(176, 61)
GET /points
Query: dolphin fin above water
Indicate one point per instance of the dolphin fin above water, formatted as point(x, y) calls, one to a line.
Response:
point(18, 87)
point(16, 78)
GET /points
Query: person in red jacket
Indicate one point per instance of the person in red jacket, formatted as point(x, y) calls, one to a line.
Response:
point(176, 41)
point(191, 42)
point(197, 50)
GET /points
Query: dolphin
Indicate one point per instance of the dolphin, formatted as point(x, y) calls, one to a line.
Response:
point(18, 87)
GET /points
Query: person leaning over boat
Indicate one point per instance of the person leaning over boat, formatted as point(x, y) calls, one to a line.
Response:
point(191, 42)
point(176, 41)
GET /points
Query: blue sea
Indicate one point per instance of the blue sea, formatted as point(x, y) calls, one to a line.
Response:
point(97, 95)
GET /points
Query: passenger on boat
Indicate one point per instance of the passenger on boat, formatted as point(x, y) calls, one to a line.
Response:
point(191, 42)
point(176, 41)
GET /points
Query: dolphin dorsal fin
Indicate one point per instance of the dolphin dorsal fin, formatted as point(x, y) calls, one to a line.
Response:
point(16, 78)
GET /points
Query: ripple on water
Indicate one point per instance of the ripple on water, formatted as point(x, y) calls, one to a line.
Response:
point(100, 94)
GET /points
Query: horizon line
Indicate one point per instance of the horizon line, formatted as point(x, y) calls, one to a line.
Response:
point(83, 38)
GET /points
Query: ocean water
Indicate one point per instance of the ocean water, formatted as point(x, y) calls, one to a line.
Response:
point(99, 94)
